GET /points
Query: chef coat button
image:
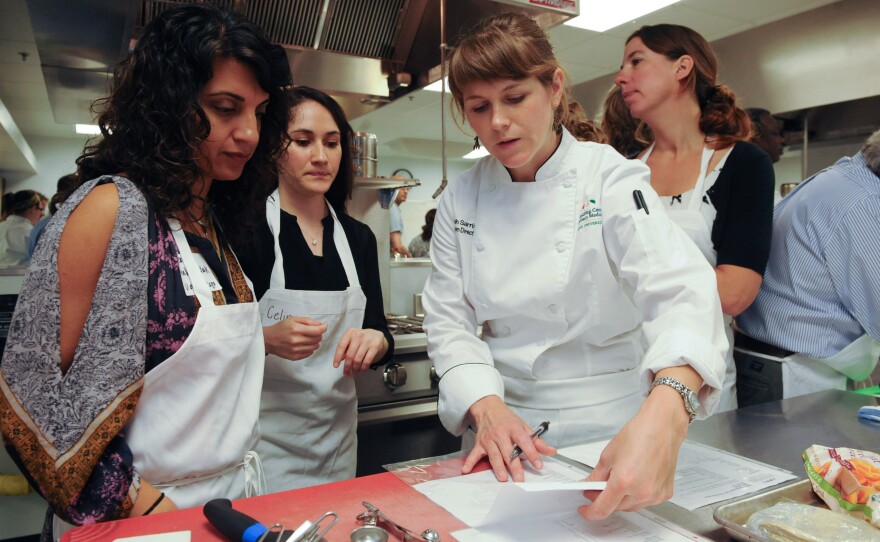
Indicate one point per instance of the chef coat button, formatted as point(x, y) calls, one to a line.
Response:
point(505, 331)
point(541, 342)
point(567, 184)
point(553, 308)
point(481, 247)
point(560, 247)
point(484, 306)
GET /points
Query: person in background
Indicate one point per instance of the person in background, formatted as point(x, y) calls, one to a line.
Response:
point(316, 273)
point(619, 126)
point(715, 185)
point(397, 246)
point(132, 373)
point(65, 185)
point(815, 325)
point(564, 255)
point(7, 203)
point(766, 133)
point(26, 209)
point(420, 246)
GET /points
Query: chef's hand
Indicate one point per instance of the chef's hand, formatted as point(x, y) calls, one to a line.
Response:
point(498, 430)
point(360, 348)
point(294, 338)
point(639, 463)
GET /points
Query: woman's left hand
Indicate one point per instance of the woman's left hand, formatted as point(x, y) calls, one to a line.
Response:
point(359, 348)
point(639, 463)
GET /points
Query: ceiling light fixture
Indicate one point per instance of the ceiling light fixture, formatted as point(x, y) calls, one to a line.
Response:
point(88, 129)
point(476, 153)
point(437, 86)
point(601, 16)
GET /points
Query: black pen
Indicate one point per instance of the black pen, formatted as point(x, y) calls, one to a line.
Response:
point(517, 451)
point(640, 201)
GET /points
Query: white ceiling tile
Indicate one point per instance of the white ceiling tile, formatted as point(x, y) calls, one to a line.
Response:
point(563, 37)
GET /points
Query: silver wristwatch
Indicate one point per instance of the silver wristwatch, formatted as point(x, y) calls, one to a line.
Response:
point(691, 401)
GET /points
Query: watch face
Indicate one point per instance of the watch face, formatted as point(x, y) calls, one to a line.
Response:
point(693, 400)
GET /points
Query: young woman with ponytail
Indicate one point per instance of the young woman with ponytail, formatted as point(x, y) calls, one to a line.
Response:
point(715, 185)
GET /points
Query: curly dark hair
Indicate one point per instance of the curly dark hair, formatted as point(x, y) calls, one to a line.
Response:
point(151, 122)
point(340, 189)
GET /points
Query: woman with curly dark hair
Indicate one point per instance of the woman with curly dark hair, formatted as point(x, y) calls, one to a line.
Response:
point(132, 374)
point(716, 185)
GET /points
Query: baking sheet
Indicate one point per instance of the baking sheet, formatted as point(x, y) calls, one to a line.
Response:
point(734, 515)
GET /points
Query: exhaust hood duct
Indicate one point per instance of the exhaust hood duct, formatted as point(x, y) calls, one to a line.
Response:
point(364, 53)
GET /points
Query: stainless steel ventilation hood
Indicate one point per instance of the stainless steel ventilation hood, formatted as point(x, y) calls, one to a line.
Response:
point(363, 52)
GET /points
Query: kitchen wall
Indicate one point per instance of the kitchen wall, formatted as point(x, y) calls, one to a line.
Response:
point(56, 156)
point(429, 171)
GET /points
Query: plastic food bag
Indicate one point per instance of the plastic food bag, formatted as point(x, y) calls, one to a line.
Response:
point(796, 522)
point(848, 480)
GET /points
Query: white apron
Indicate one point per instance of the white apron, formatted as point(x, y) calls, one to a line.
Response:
point(308, 412)
point(698, 227)
point(802, 374)
point(195, 425)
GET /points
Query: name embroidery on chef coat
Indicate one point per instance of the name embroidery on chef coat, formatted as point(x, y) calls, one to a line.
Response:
point(465, 227)
point(591, 214)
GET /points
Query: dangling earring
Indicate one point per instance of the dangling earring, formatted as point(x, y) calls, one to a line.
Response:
point(556, 126)
point(476, 142)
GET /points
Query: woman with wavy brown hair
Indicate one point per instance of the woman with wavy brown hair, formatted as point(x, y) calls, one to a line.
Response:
point(130, 384)
point(716, 186)
point(586, 300)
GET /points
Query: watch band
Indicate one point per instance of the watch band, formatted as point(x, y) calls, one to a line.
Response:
point(687, 394)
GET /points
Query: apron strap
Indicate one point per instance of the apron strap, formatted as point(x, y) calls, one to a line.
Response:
point(199, 284)
point(340, 240)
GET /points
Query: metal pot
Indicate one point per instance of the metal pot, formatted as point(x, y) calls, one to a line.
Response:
point(364, 154)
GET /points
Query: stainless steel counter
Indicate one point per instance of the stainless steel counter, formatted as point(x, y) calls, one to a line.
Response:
point(777, 433)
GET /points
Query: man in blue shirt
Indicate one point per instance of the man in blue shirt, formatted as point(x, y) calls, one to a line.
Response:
point(815, 324)
point(398, 246)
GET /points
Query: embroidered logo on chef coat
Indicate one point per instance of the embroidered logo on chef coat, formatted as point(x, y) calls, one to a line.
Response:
point(465, 227)
point(590, 214)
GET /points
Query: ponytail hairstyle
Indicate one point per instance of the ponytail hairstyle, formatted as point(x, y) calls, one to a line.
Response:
point(428, 227)
point(722, 120)
point(513, 46)
point(619, 126)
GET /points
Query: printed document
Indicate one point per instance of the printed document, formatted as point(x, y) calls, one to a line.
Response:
point(544, 507)
point(704, 475)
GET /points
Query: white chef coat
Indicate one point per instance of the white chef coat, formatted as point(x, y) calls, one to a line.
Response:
point(696, 216)
point(570, 282)
point(14, 233)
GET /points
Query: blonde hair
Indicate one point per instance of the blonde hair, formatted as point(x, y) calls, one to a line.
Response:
point(513, 46)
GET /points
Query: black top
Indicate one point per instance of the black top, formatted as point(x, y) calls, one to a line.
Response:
point(305, 271)
point(743, 197)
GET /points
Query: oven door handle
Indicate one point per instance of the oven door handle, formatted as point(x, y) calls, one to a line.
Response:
point(403, 411)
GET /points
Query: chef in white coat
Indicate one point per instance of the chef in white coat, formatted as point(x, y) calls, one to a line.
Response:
point(316, 272)
point(560, 250)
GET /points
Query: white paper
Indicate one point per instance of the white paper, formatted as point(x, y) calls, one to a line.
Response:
point(471, 497)
point(704, 475)
point(557, 486)
point(571, 527)
point(176, 536)
point(502, 512)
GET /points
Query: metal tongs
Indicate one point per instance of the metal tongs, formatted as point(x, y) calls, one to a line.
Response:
point(373, 515)
point(307, 532)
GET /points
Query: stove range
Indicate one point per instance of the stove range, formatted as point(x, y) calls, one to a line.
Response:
point(407, 379)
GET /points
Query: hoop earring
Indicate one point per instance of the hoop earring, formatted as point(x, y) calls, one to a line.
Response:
point(476, 142)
